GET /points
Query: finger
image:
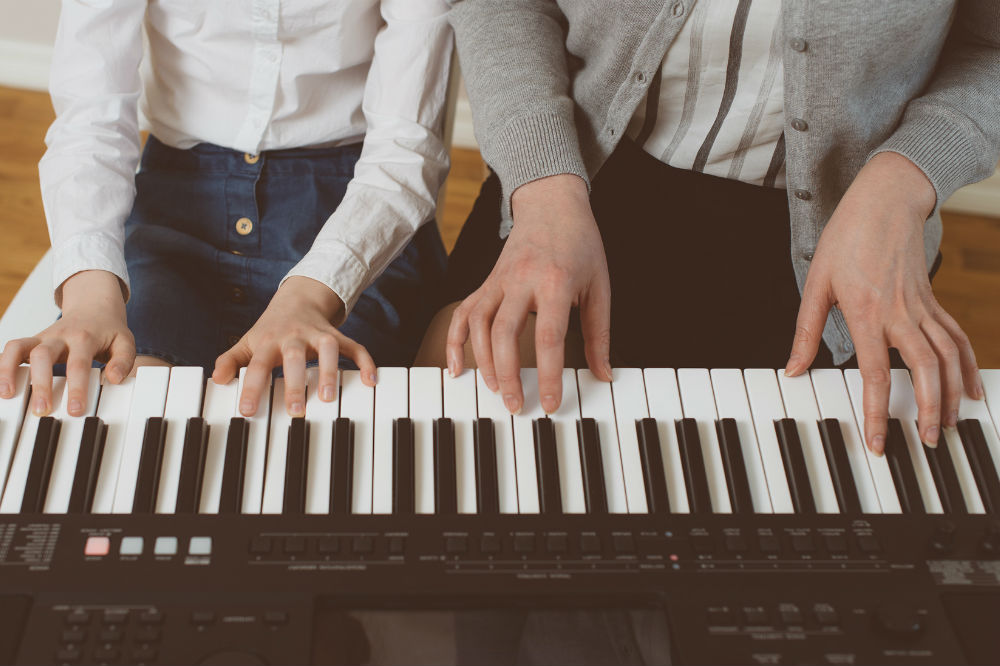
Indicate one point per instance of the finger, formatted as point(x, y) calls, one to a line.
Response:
point(14, 353)
point(42, 357)
point(257, 379)
point(873, 363)
point(328, 351)
point(550, 350)
point(229, 363)
point(458, 334)
point(293, 355)
point(480, 327)
point(970, 369)
point(813, 310)
point(924, 366)
point(122, 358)
point(78, 365)
point(357, 353)
point(949, 368)
point(504, 336)
point(595, 321)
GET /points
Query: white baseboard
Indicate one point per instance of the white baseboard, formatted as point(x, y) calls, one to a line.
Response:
point(462, 134)
point(982, 198)
point(25, 64)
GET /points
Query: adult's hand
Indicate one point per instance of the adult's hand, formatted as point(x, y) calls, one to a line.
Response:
point(294, 328)
point(93, 326)
point(870, 263)
point(553, 260)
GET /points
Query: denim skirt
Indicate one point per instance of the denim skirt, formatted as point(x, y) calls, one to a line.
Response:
point(213, 231)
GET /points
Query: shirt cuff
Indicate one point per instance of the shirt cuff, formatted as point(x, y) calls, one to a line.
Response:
point(87, 252)
point(338, 267)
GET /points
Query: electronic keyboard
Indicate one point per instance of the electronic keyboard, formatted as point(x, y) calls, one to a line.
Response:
point(689, 516)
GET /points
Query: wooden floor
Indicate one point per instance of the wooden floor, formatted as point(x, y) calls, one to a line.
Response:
point(968, 284)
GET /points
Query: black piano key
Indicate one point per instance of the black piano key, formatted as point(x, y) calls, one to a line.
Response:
point(487, 492)
point(445, 474)
point(36, 486)
point(594, 491)
point(693, 465)
point(296, 458)
point(234, 466)
point(88, 465)
point(652, 466)
point(983, 469)
point(402, 467)
point(945, 478)
point(547, 467)
point(795, 466)
point(192, 466)
point(734, 466)
point(147, 481)
point(342, 462)
point(904, 478)
point(840, 467)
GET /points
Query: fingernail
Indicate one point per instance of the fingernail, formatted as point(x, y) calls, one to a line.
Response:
point(372, 377)
point(452, 365)
point(246, 407)
point(931, 436)
point(512, 403)
point(39, 406)
point(297, 408)
point(327, 393)
point(5, 389)
point(980, 392)
point(952, 419)
point(491, 383)
point(549, 403)
point(878, 445)
point(607, 369)
point(75, 406)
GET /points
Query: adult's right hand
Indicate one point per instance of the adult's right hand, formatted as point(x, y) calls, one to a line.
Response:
point(92, 326)
point(553, 260)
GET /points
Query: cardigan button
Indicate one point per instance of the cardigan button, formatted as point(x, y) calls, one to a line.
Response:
point(847, 347)
point(808, 256)
point(798, 44)
point(799, 124)
point(677, 9)
point(804, 195)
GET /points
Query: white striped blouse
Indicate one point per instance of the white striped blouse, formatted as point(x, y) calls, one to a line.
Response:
point(717, 104)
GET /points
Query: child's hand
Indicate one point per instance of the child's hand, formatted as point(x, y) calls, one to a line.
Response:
point(294, 328)
point(93, 325)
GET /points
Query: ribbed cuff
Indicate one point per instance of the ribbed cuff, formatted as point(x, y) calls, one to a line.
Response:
point(87, 252)
point(336, 266)
point(530, 148)
point(942, 149)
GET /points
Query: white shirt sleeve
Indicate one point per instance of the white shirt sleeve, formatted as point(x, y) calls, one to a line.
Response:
point(88, 172)
point(403, 160)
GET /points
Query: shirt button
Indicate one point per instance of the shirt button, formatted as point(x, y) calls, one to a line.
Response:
point(251, 159)
point(804, 195)
point(808, 256)
point(237, 295)
point(677, 9)
point(798, 44)
point(244, 226)
point(640, 77)
point(799, 124)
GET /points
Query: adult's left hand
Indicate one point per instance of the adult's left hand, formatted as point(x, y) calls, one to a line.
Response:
point(870, 263)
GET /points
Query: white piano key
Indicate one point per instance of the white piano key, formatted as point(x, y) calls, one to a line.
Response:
point(12, 412)
point(664, 402)
point(277, 451)
point(320, 416)
point(460, 406)
point(800, 405)
point(425, 409)
point(220, 405)
point(149, 397)
point(629, 394)
point(991, 385)
point(253, 473)
point(184, 392)
point(14, 491)
point(835, 403)
point(524, 443)
point(731, 403)
point(564, 422)
point(113, 410)
point(596, 402)
point(903, 406)
point(766, 406)
point(391, 403)
point(491, 407)
point(698, 402)
point(68, 448)
point(357, 403)
point(878, 465)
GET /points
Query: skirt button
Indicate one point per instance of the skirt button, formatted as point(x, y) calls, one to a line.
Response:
point(244, 226)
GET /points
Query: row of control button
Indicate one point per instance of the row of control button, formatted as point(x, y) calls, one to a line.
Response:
point(133, 546)
point(789, 615)
point(114, 636)
point(530, 543)
point(326, 545)
point(795, 544)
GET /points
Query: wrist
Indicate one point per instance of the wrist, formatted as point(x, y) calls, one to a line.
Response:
point(911, 185)
point(92, 289)
point(560, 189)
point(308, 292)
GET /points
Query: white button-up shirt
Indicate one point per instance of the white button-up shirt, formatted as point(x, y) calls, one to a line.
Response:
point(251, 75)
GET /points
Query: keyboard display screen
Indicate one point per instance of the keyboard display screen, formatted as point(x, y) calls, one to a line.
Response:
point(622, 635)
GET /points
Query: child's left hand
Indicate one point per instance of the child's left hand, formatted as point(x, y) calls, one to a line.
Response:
point(294, 328)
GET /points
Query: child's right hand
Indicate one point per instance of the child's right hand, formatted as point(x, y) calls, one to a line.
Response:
point(93, 326)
